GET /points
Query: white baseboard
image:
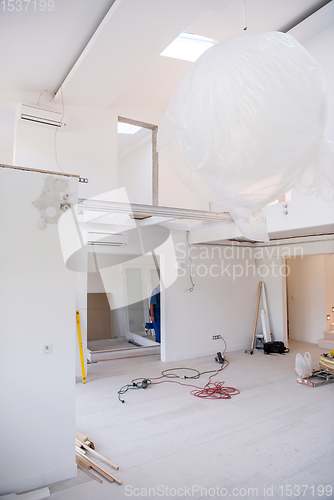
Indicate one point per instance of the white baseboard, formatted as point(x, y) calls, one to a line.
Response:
point(40, 480)
point(211, 352)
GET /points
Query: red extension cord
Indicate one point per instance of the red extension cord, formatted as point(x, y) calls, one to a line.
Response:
point(212, 390)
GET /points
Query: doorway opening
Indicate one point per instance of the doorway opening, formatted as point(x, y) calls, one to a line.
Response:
point(137, 160)
point(310, 298)
point(118, 305)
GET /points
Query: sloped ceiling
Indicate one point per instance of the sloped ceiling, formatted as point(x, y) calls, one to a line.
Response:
point(106, 52)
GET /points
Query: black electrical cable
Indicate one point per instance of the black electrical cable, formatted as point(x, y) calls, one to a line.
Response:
point(134, 385)
point(173, 375)
point(193, 377)
point(210, 390)
point(139, 383)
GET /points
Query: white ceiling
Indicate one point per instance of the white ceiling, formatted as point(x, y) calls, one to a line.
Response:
point(39, 48)
point(121, 64)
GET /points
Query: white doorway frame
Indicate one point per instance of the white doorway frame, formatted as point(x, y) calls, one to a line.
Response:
point(146, 285)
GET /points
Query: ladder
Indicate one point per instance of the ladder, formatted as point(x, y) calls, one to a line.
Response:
point(266, 335)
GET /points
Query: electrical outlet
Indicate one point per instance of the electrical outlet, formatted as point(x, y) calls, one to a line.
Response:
point(215, 337)
point(47, 348)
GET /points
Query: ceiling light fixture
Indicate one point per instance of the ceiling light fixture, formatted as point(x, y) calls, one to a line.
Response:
point(188, 47)
point(127, 128)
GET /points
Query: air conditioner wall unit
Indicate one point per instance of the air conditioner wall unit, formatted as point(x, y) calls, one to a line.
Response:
point(103, 239)
point(35, 114)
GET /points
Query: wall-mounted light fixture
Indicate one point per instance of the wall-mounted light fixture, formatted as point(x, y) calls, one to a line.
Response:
point(333, 309)
point(328, 317)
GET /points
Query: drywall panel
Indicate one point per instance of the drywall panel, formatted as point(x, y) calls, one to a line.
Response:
point(306, 298)
point(37, 308)
point(99, 317)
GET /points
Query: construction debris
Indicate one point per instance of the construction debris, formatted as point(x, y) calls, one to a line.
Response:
point(83, 448)
point(87, 472)
point(318, 377)
point(84, 439)
point(327, 362)
point(79, 443)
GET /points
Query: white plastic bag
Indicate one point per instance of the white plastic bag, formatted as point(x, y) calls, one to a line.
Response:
point(303, 365)
point(245, 126)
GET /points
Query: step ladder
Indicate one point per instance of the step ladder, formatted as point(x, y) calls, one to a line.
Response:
point(259, 339)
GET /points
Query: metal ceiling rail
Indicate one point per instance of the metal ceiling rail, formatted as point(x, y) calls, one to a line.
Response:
point(151, 210)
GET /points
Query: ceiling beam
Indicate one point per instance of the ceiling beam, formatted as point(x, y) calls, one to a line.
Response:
point(310, 12)
point(97, 33)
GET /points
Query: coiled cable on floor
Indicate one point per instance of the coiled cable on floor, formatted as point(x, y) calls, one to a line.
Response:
point(211, 390)
point(134, 385)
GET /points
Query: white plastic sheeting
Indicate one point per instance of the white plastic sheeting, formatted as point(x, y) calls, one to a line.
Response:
point(246, 125)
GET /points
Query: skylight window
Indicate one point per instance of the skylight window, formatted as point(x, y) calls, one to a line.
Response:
point(126, 128)
point(188, 47)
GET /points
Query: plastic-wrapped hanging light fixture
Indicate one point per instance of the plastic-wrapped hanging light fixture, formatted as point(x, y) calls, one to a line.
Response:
point(246, 125)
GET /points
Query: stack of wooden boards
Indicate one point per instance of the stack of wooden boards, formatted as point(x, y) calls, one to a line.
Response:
point(85, 449)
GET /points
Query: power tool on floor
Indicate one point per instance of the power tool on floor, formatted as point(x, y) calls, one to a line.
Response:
point(219, 358)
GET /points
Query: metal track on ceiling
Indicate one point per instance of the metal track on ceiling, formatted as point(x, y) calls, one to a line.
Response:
point(152, 211)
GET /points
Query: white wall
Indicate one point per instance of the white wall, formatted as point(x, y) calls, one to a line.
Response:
point(306, 298)
point(224, 304)
point(134, 169)
point(81, 306)
point(37, 307)
point(88, 147)
point(329, 288)
point(7, 133)
point(94, 283)
point(171, 192)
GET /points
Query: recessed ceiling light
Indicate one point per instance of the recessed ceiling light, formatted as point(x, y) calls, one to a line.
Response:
point(127, 128)
point(188, 47)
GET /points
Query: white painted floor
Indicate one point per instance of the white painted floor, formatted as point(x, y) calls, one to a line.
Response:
point(170, 444)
